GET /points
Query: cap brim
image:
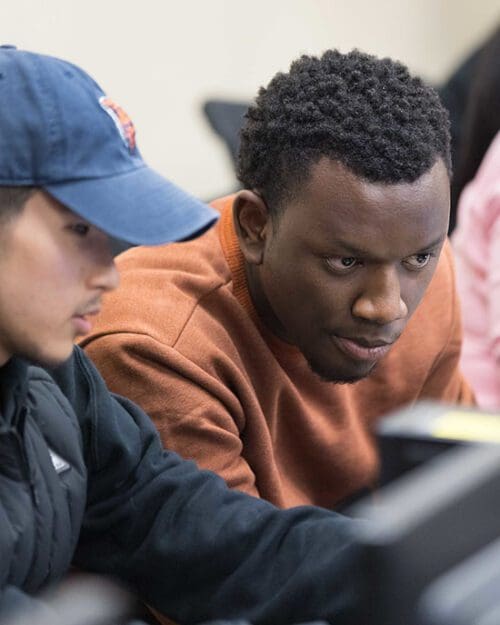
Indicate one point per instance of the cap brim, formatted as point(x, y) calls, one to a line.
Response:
point(140, 207)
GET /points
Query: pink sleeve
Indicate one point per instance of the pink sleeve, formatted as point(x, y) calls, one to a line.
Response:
point(493, 282)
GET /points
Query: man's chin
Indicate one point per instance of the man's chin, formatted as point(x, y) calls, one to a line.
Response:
point(328, 374)
point(49, 359)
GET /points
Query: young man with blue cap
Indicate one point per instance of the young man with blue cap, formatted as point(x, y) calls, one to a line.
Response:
point(83, 477)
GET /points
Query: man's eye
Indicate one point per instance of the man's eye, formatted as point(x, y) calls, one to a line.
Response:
point(417, 261)
point(342, 263)
point(80, 229)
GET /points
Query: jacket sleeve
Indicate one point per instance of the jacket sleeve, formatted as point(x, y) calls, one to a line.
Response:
point(201, 419)
point(445, 381)
point(194, 549)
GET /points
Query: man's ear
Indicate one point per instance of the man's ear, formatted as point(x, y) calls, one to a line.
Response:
point(252, 223)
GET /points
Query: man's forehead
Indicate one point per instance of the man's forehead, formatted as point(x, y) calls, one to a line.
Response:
point(338, 206)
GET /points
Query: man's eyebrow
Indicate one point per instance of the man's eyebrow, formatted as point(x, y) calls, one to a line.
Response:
point(66, 212)
point(433, 244)
point(347, 247)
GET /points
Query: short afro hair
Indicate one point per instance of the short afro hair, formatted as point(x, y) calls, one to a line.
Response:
point(367, 113)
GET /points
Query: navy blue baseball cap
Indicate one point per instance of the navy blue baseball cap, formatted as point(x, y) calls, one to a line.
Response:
point(59, 131)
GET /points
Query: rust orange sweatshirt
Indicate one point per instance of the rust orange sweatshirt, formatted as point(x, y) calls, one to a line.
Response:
point(181, 338)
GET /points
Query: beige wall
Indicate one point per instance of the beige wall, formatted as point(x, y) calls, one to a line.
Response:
point(161, 58)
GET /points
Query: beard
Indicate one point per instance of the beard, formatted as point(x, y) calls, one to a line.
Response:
point(327, 374)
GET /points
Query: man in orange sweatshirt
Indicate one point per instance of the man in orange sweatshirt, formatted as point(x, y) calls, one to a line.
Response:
point(267, 348)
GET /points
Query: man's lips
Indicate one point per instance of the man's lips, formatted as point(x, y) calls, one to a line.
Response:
point(363, 349)
point(82, 323)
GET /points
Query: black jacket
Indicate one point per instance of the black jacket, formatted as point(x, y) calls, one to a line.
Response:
point(84, 480)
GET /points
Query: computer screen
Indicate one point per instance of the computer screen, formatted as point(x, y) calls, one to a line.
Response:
point(411, 436)
point(425, 522)
point(468, 594)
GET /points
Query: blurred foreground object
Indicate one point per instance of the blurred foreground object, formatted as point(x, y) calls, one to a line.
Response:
point(411, 436)
point(466, 595)
point(80, 600)
point(439, 505)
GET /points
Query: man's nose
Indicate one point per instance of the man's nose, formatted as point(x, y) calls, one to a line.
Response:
point(105, 276)
point(380, 301)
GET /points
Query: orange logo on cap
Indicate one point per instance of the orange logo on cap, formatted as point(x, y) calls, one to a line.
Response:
point(122, 121)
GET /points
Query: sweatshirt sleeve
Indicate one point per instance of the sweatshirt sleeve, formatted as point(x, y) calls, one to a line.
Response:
point(196, 414)
point(194, 549)
point(445, 381)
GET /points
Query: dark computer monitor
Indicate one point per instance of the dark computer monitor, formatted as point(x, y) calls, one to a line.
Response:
point(412, 436)
point(468, 594)
point(425, 522)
